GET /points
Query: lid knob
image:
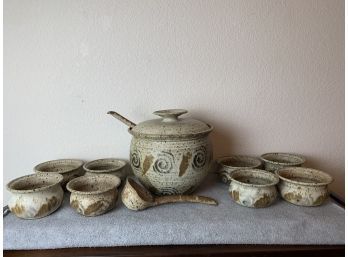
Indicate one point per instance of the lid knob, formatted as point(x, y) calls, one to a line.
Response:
point(170, 115)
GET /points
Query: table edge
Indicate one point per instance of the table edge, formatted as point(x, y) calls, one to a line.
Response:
point(188, 250)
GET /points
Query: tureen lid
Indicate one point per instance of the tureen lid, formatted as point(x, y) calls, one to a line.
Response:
point(171, 126)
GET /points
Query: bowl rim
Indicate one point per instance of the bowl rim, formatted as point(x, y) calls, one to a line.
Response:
point(259, 171)
point(110, 177)
point(241, 156)
point(39, 174)
point(123, 163)
point(78, 163)
point(302, 160)
point(328, 176)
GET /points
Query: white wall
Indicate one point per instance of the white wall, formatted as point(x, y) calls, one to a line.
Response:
point(267, 74)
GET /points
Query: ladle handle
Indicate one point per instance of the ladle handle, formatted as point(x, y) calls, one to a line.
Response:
point(122, 119)
point(184, 198)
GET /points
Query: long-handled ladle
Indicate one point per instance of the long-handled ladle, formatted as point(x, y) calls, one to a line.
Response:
point(136, 197)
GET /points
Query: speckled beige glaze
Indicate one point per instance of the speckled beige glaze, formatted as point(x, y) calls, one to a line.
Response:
point(303, 186)
point(228, 164)
point(69, 168)
point(106, 166)
point(170, 156)
point(135, 197)
point(35, 196)
point(253, 187)
point(274, 161)
point(93, 195)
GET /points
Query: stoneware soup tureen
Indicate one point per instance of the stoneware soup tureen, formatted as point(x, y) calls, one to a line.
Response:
point(170, 155)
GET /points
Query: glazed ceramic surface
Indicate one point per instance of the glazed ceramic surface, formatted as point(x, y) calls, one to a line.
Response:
point(304, 186)
point(93, 195)
point(106, 166)
point(170, 155)
point(253, 187)
point(35, 196)
point(135, 197)
point(274, 161)
point(69, 168)
point(229, 164)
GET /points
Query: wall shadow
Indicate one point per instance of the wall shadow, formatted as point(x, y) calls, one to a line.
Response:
point(224, 138)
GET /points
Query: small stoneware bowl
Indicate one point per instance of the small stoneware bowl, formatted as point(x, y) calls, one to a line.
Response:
point(35, 196)
point(304, 186)
point(69, 168)
point(231, 163)
point(274, 161)
point(106, 166)
point(253, 187)
point(93, 195)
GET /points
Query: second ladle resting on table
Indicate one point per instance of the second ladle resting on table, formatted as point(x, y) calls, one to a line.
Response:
point(136, 197)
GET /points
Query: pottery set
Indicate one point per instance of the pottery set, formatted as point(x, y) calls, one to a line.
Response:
point(253, 187)
point(269, 162)
point(38, 195)
point(169, 157)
